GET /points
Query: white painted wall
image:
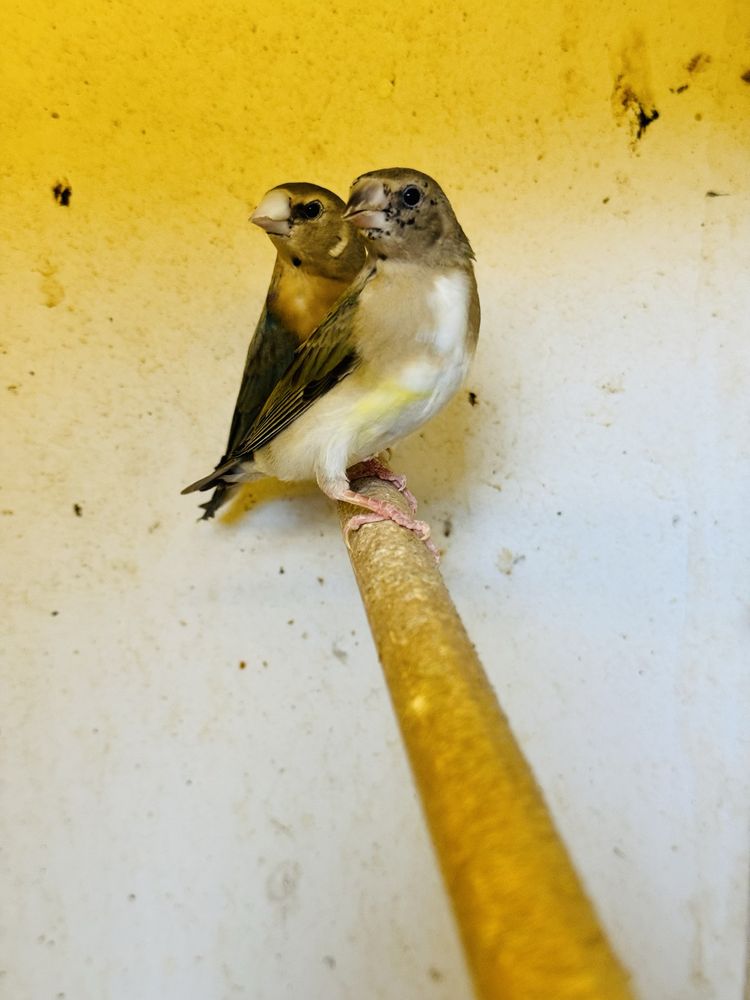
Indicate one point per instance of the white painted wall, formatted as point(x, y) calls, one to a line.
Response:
point(174, 827)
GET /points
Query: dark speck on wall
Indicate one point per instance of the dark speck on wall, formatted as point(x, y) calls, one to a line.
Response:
point(473, 399)
point(77, 510)
point(243, 664)
point(448, 527)
point(640, 111)
point(644, 119)
point(745, 77)
point(698, 62)
point(62, 193)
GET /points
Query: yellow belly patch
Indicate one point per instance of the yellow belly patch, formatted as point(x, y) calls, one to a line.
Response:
point(390, 397)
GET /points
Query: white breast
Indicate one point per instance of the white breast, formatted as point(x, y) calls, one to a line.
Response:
point(409, 376)
point(449, 304)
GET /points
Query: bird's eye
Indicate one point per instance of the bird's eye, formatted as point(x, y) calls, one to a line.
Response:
point(411, 196)
point(312, 209)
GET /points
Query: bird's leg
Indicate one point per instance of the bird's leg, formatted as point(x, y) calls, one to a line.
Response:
point(374, 467)
point(382, 510)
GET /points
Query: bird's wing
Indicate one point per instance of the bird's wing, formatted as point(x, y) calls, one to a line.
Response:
point(269, 355)
point(323, 360)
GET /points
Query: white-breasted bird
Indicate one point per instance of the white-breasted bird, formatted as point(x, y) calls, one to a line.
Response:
point(318, 254)
point(388, 357)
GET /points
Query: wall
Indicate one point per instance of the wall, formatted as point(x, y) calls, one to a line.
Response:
point(205, 795)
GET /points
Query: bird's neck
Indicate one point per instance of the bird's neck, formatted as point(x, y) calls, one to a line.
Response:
point(300, 300)
point(417, 272)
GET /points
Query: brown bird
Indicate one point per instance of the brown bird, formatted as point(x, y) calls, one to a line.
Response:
point(318, 254)
point(391, 354)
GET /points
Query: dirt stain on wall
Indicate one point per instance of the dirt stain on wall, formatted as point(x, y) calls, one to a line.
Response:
point(633, 103)
point(52, 291)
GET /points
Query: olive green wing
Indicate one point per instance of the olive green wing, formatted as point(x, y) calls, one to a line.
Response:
point(321, 362)
point(269, 355)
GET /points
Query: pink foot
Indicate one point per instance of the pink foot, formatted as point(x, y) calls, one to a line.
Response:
point(381, 510)
point(374, 467)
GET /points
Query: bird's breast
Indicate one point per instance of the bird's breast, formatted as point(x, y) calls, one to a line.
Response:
point(414, 340)
point(448, 308)
point(302, 300)
point(406, 310)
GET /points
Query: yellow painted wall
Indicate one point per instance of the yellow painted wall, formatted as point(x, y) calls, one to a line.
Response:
point(168, 120)
point(589, 493)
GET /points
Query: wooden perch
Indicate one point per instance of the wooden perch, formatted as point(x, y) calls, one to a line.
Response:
point(528, 928)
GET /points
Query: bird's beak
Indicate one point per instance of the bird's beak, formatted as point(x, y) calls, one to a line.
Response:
point(274, 213)
point(367, 204)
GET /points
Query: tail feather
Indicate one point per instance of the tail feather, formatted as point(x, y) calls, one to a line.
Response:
point(219, 474)
point(221, 495)
point(212, 479)
point(224, 481)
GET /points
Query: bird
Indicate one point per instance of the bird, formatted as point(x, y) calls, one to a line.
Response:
point(318, 254)
point(391, 353)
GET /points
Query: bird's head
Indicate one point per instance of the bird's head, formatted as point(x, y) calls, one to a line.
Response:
point(405, 214)
point(307, 226)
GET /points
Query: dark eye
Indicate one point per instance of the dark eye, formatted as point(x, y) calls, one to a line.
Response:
point(312, 209)
point(411, 196)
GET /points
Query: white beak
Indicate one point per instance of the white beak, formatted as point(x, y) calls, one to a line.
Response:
point(274, 212)
point(367, 201)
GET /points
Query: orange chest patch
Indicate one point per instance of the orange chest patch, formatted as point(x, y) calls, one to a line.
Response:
point(301, 301)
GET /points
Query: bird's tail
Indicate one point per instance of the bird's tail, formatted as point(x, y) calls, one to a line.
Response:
point(221, 495)
point(212, 479)
point(228, 470)
point(223, 480)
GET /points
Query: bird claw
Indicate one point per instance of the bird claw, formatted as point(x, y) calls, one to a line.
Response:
point(391, 513)
point(374, 467)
